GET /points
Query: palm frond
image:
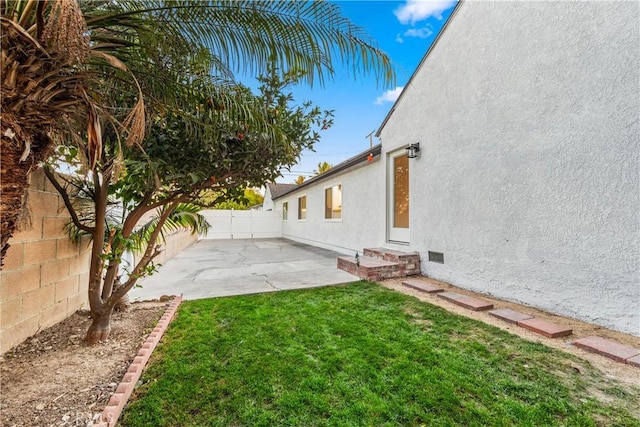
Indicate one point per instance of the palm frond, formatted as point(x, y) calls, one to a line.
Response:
point(184, 216)
point(249, 35)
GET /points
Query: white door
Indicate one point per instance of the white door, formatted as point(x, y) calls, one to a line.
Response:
point(398, 197)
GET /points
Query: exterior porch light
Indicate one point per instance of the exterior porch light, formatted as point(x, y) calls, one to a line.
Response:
point(413, 150)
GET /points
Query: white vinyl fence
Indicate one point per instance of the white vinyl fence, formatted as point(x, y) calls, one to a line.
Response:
point(232, 224)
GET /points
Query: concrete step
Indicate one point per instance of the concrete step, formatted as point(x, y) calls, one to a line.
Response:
point(475, 304)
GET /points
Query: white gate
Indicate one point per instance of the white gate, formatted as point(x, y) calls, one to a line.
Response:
point(233, 224)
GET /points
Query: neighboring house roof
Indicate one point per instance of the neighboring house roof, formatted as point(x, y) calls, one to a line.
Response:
point(340, 167)
point(278, 190)
point(422, 61)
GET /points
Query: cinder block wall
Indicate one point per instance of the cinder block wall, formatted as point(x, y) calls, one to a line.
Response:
point(174, 244)
point(45, 276)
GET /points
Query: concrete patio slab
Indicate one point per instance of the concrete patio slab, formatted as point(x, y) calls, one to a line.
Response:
point(215, 268)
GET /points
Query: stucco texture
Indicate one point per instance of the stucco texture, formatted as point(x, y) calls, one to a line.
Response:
point(363, 213)
point(528, 118)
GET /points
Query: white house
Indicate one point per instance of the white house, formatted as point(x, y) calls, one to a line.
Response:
point(526, 187)
point(341, 209)
point(272, 192)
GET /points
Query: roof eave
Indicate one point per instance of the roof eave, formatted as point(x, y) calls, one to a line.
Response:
point(341, 167)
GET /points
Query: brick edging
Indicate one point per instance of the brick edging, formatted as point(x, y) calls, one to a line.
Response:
point(116, 403)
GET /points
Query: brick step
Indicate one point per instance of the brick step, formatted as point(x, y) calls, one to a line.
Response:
point(423, 285)
point(509, 315)
point(611, 349)
point(539, 326)
point(410, 260)
point(544, 327)
point(475, 304)
point(371, 268)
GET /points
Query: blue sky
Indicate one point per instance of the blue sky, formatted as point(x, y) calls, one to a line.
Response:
point(402, 29)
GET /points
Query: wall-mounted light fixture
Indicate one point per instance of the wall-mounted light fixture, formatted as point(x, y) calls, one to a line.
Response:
point(413, 150)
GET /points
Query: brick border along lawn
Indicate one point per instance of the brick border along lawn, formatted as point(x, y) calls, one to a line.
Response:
point(362, 355)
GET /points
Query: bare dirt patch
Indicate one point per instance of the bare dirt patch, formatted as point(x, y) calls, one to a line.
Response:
point(53, 379)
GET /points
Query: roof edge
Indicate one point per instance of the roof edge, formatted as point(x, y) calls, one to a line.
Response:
point(422, 61)
point(340, 167)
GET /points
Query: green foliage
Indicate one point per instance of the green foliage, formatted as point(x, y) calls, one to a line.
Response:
point(141, 94)
point(249, 199)
point(361, 355)
point(183, 216)
point(177, 171)
point(174, 161)
point(247, 36)
point(322, 168)
point(176, 51)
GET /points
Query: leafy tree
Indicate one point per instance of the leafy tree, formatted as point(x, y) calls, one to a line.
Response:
point(249, 199)
point(299, 180)
point(322, 168)
point(62, 60)
point(175, 167)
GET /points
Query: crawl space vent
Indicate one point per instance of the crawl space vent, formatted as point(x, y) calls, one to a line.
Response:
point(436, 257)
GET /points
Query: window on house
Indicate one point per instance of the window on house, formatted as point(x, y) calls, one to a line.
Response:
point(302, 207)
point(333, 202)
point(285, 210)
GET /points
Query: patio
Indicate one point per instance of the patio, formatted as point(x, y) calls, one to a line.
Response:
point(215, 268)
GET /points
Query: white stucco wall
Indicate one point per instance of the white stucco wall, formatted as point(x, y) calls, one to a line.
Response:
point(528, 119)
point(362, 223)
point(267, 204)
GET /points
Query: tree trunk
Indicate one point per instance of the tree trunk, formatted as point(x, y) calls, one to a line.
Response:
point(100, 307)
point(100, 326)
point(13, 185)
point(14, 177)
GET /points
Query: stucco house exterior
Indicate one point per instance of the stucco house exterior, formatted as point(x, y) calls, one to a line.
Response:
point(272, 192)
point(526, 184)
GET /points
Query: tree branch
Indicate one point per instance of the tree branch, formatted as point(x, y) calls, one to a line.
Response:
point(109, 279)
point(143, 207)
point(67, 200)
point(150, 253)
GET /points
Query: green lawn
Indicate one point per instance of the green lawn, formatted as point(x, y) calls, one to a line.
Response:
point(362, 355)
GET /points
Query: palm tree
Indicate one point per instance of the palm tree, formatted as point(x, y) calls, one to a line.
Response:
point(40, 85)
point(89, 76)
point(299, 180)
point(56, 59)
point(322, 168)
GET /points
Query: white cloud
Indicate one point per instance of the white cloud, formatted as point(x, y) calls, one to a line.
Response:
point(389, 96)
point(419, 10)
point(421, 33)
point(399, 38)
